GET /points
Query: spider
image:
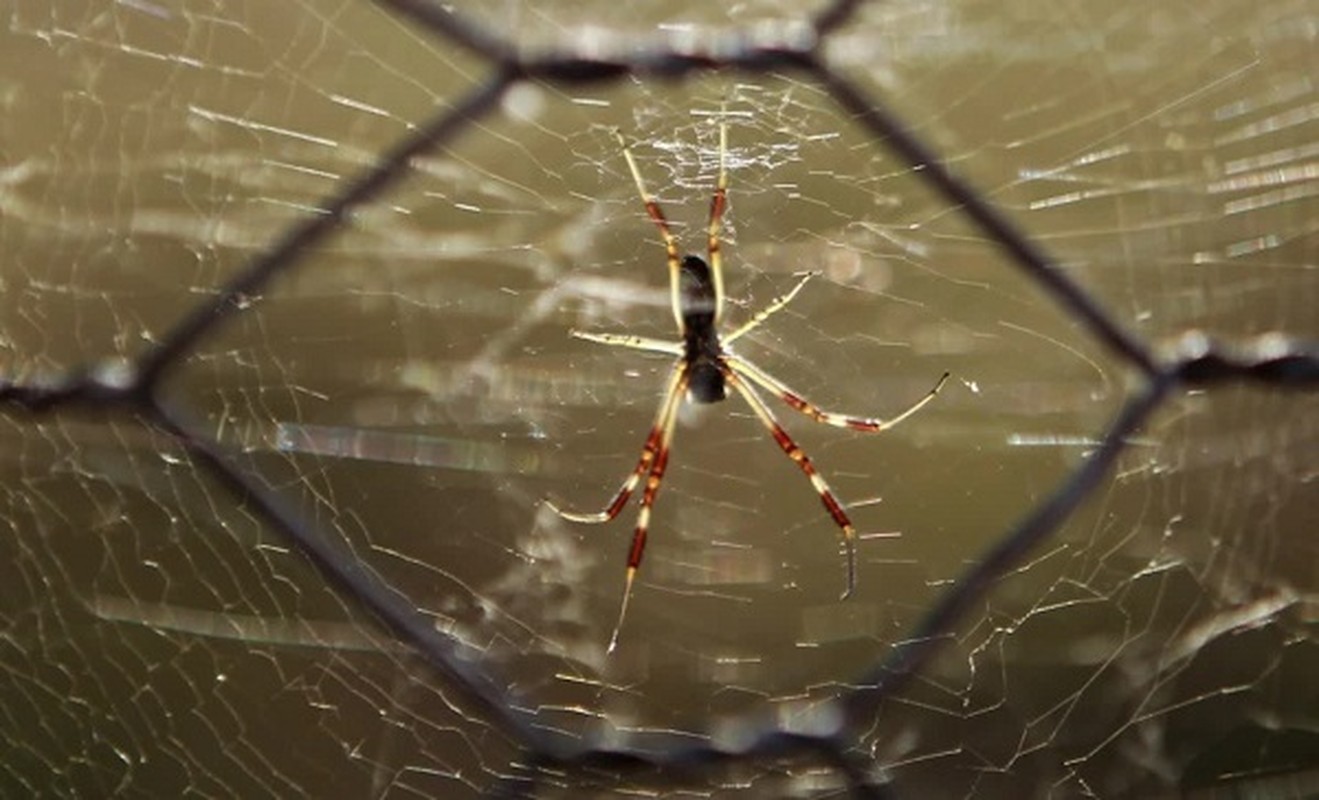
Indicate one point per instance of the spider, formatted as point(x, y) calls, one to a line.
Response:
point(704, 369)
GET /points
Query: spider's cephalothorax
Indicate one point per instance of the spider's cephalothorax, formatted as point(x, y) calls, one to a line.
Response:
point(704, 370)
point(701, 350)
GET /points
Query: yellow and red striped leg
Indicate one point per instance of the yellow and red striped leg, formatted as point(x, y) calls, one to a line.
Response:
point(657, 214)
point(864, 424)
point(667, 409)
point(653, 482)
point(799, 457)
point(718, 204)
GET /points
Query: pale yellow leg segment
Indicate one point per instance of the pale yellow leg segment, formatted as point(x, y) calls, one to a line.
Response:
point(718, 205)
point(769, 310)
point(633, 342)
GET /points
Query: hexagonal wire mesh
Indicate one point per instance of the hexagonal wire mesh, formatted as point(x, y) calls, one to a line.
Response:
point(287, 378)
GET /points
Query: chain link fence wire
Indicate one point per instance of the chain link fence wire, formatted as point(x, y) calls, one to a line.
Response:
point(541, 760)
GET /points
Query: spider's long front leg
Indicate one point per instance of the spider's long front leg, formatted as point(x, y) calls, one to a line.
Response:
point(657, 215)
point(864, 424)
point(799, 457)
point(654, 441)
point(718, 204)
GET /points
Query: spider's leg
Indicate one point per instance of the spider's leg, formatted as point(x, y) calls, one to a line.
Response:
point(799, 457)
point(865, 424)
point(653, 481)
point(628, 340)
point(657, 214)
point(663, 421)
point(718, 204)
point(778, 303)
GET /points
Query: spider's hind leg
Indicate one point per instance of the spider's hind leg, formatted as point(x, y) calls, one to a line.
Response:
point(798, 456)
point(649, 453)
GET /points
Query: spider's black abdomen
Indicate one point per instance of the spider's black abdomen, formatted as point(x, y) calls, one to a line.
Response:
point(705, 382)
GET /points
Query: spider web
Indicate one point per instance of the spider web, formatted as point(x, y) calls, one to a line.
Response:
point(410, 390)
